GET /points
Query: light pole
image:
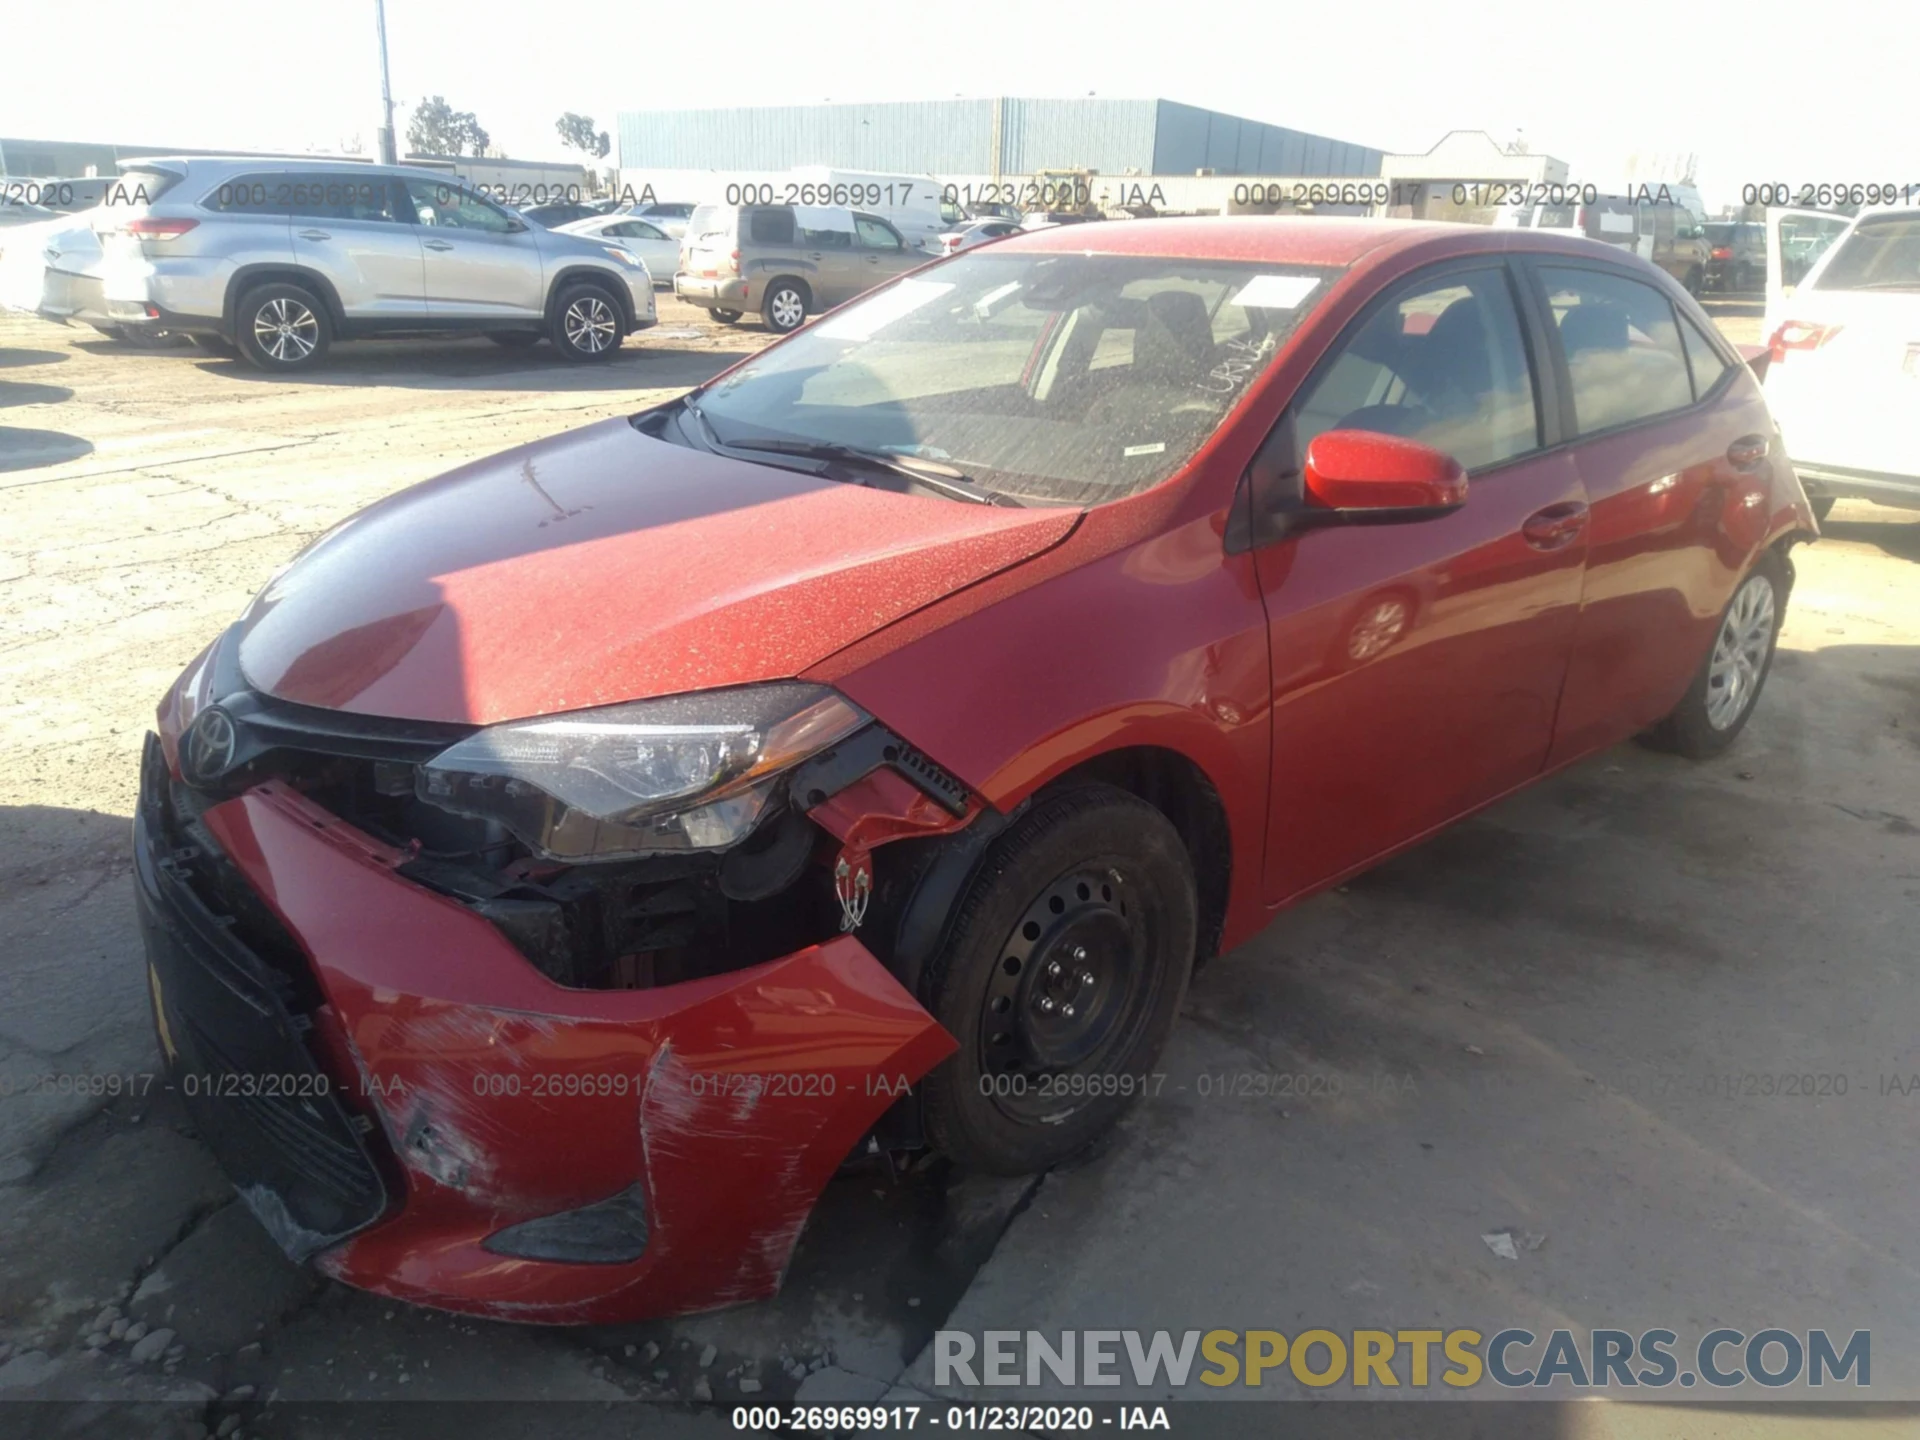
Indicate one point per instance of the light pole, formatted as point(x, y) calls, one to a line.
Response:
point(388, 155)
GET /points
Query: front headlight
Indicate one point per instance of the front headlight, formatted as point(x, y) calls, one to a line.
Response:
point(624, 257)
point(689, 772)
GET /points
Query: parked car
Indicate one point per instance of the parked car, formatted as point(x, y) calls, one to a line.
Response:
point(23, 212)
point(279, 258)
point(1669, 233)
point(977, 233)
point(1736, 255)
point(555, 213)
point(52, 267)
point(898, 718)
point(1041, 219)
point(643, 240)
point(1843, 371)
point(786, 262)
point(669, 215)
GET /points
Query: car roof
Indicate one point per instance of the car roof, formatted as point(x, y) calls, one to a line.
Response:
point(1297, 239)
point(198, 164)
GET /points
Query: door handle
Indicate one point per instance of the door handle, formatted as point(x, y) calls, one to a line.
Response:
point(1556, 526)
point(814, 255)
point(315, 235)
point(1748, 451)
point(437, 244)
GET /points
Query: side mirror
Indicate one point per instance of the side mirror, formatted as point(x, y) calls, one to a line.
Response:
point(1383, 477)
point(516, 227)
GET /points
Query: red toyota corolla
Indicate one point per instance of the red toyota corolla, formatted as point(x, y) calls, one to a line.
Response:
point(566, 864)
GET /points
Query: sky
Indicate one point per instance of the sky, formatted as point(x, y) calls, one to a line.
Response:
point(1757, 92)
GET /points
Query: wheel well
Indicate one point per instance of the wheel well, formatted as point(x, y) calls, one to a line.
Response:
point(258, 275)
point(600, 280)
point(1180, 790)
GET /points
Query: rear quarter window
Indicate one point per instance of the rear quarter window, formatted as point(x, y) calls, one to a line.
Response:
point(771, 226)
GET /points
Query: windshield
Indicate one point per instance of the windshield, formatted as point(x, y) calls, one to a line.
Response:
point(1056, 379)
point(1880, 254)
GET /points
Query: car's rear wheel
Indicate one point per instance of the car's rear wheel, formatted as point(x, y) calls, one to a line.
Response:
point(726, 317)
point(784, 307)
point(587, 325)
point(1061, 976)
point(282, 328)
point(516, 339)
point(1722, 697)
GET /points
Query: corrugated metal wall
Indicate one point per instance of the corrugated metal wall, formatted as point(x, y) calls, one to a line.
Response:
point(933, 135)
point(1188, 139)
point(1156, 137)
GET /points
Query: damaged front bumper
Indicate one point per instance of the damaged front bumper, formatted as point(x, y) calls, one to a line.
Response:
point(403, 1098)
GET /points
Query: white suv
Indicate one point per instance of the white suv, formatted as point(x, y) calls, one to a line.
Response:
point(281, 258)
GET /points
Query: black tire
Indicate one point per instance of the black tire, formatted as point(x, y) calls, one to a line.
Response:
point(1091, 878)
point(1822, 506)
point(726, 317)
point(784, 307)
point(516, 339)
point(215, 345)
point(1694, 282)
point(586, 325)
point(258, 322)
point(1700, 725)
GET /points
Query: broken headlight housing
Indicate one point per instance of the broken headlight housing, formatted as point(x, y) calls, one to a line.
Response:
point(687, 772)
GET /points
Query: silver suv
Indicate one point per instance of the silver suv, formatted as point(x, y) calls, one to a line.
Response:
point(280, 258)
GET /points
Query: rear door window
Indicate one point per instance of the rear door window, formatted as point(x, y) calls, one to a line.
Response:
point(342, 197)
point(1622, 346)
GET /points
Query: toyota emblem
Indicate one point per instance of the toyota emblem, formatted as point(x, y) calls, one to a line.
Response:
point(211, 744)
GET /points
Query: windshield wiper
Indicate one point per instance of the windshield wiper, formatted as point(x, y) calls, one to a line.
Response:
point(942, 479)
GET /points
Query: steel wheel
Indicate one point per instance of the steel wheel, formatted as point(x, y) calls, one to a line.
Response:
point(1069, 993)
point(591, 326)
point(1740, 653)
point(285, 330)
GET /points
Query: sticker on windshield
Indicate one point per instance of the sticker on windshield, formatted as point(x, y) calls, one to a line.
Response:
point(1275, 292)
point(1157, 448)
point(859, 322)
point(994, 301)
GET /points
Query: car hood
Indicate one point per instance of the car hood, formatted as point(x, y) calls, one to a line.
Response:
point(601, 566)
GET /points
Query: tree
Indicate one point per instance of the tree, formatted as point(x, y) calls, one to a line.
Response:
point(438, 129)
point(577, 131)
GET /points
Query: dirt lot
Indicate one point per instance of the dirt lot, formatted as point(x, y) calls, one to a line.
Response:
point(1563, 979)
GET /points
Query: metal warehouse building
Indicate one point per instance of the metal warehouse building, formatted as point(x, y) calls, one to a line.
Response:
point(1002, 136)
